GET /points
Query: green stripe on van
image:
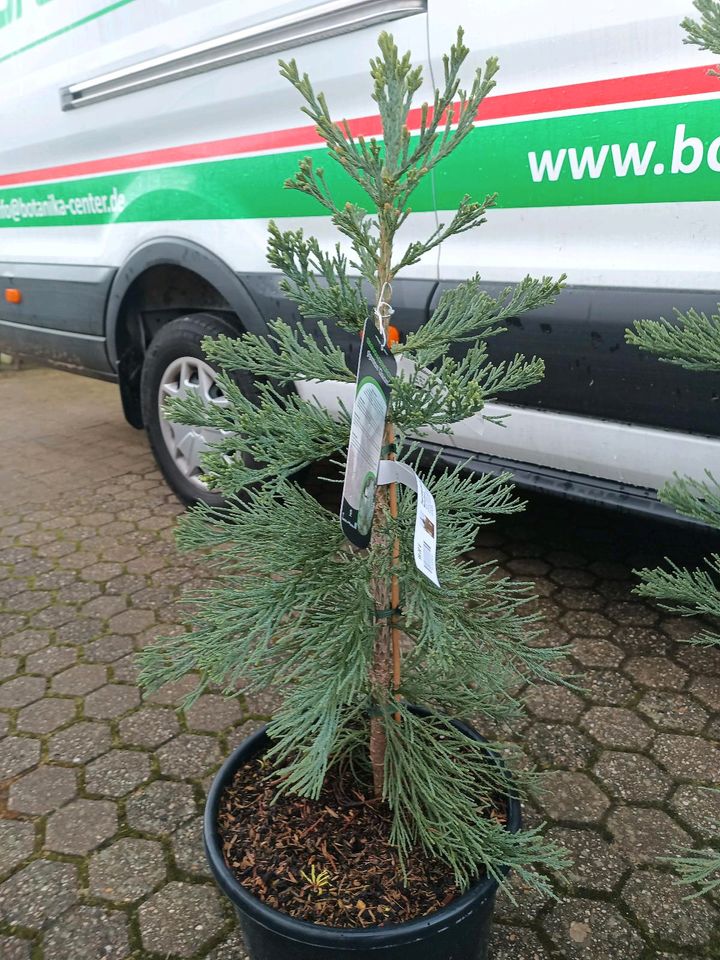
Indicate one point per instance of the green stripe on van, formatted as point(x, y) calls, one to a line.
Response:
point(493, 158)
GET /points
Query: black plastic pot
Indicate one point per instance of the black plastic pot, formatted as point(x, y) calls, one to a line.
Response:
point(459, 931)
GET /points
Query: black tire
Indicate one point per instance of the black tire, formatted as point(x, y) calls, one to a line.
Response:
point(180, 338)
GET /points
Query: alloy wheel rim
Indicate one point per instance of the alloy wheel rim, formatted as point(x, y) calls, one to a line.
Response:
point(189, 376)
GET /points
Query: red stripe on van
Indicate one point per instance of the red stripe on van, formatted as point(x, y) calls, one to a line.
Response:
point(652, 86)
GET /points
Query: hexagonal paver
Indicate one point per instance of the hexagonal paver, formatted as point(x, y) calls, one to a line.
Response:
point(588, 930)
point(180, 919)
point(42, 790)
point(149, 727)
point(558, 745)
point(607, 688)
point(24, 642)
point(188, 756)
point(173, 693)
point(8, 667)
point(213, 713)
point(111, 701)
point(127, 870)
point(583, 624)
point(506, 943)
point(125, 670)
point(117, 773)
point(88, 932)
point(17, 754)
point(554, 703)
point(17, 842)
point(673, 711)
point(79, 680)
point(664, 909)
point(617, 727)
point(46, 715)
point(656, 672)
point(707, 691)
point(688, 758)
point(131, 621)
point(13, 948)
point(596, 652)
point(234, 949)
point(160, 807)
point(20, 691)
point(632, 777)
point(80, 743)
point(38, 893)
point(51, 660)
point(81, 826)
point(79, 630)
point(188, 849)
point(699, 809)
point(645, 835)
point(572, 797)
point(596, 865)
point(108, 649)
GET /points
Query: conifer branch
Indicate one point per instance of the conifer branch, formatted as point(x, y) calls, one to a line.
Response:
point(692, 342)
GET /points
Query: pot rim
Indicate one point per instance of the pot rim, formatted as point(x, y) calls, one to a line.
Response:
point(305, 931)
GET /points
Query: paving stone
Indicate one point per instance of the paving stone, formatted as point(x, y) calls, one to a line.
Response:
point(617, 727)
point(20, 691)
point(111, 701)
point(88, 933)
point(699, 659)
point(688, 758)
point(17, 754)
point(160, 807)
point(47, 715)
point(173, 694)
point(80, 743)
point(572, 797)
point(80, 630)
point(24, 642)
point(506, 943)
point(558, 746)
point(42, 790)
point(607, 688)
point(588, 930)
point(50, 660)
point(131, 621)
point(117, 773)
point(632, 777)
point(104, 606)
point(8, 667)
point(242, 732)
point(108, 649)
point(707, 691)
point(699, 810)
point(81, 826)
point(234, 949)
point(673, 711)
point(180, 919)
point(664, 910)
point(188, 849)
point(125, 670)
point(580, 623)
point(519, 902)
point(644, 835)
point(596, 865)
point(17, 841)
point(213, 713)
point(149, 727)
point(127, 870)
point(656, 672)
point(188, 756)
point(79, 680)
point(4, 724)
point(13, 948)
point(641, 641)
point(553, 703)
point(38, 894)
point(597, 653)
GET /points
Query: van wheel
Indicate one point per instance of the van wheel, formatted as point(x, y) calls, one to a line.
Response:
point(175, 366)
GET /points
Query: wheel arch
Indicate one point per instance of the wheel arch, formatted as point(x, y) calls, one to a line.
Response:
point(180, 264)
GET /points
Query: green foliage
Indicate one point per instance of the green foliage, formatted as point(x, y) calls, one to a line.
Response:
point(706, 33)
point(693, 342)
point(293, 605)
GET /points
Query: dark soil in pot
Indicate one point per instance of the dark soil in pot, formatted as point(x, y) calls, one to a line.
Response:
point(320, 879)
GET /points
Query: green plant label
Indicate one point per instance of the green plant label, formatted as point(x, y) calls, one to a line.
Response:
point(376, 368)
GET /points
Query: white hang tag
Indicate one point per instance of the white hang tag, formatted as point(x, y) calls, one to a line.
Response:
point(390, 471)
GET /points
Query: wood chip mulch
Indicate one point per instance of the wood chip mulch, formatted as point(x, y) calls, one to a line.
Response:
point(327, 861)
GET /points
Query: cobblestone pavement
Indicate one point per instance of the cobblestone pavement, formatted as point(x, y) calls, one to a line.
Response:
point(101, 791)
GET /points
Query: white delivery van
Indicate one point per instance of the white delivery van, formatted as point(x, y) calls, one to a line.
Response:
point(144, 148)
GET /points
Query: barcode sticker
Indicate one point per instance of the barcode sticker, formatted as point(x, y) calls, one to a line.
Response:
point(391, 471)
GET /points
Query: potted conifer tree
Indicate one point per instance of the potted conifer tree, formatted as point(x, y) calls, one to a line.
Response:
point(366, 818)
point(692, 341)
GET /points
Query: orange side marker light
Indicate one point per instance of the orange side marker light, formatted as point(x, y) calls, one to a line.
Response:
point(13, 295)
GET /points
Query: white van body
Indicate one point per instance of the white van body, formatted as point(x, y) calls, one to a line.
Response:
point(145, 147)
